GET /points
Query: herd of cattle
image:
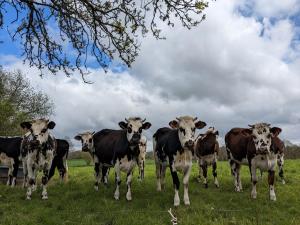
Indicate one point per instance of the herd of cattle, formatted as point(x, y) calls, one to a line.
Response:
point(257, 146)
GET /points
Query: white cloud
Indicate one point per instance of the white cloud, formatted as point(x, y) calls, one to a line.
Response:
point(225, 72)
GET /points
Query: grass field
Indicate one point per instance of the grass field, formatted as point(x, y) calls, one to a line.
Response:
point(76, 202)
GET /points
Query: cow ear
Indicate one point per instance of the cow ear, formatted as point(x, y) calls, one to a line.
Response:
point(123, 125)
point(275, 131)
point(26, 125)
point(78, 138)
point(200, 124)
point(146, 125)
point(51, 125)
point(174, 124)
point(216, 132)
point(93, 132)
point(247, 132)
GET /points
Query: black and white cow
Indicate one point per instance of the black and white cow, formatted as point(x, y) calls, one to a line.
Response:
point(142, 157)
point(176, 145)
point(59, 161)
point(10, 146)
point(206, 151)
point(87, 141)
point(256, 145)
point(38, 152)
point(120, 149)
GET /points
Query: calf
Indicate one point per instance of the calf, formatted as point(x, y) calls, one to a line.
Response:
point(10, 146)
point(38, 152)
point(87, 141)
point(120, 149)
point(206, 151)
point(60, 159)
point(254, 144)
point(176, 145)
point(142, 157)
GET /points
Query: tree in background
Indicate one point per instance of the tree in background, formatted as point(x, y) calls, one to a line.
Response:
point(104, 29)
point(19, 102)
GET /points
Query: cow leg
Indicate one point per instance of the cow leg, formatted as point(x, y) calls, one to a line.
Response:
point(186, 178)
point(118, 180)
point(105, 174)
point(158, 166)
point(271, 179)
point(25, 173)
point(15, 172)
point(254, 180)
point(10, 172)
point(52, 168)
point(31, 177)
point(176, 184)
point(128, 183)
point(45, 182)
point(200, 176)
point(97, 175)
point(163, 175)
point(280, 163)
point(66, 174)
point(235, 170)
point(214, 166)
point(204, 170)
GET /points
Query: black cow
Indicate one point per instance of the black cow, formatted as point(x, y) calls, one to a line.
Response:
point(176, 145)
point(38, 148)
point(120, 148)
point(60, 159)
point(10, 146)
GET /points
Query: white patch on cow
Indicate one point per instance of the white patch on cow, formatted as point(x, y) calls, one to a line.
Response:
point(182, 162)
point(186, 178)
point(128, 182)
point(142, 156)
point(264, 162)
point(262, 137)
point(208, 159)
point(176, 198)
point(126, 165)
point(135, 126)
point(272, 193)
point(87, 140)
point(40, 130)
point(186, 129)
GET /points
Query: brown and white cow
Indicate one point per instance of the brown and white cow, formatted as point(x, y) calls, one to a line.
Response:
point(38, 152)
point(206, 151)
point(176, 146)
point(255, 145)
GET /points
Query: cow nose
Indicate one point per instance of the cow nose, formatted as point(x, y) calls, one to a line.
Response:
point(85, 148)
point(136, 137)
point(189, 143)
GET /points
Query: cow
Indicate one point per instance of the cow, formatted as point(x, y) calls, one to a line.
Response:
point(176, 144)
point(87, 142)
point(10, 146)
point(60, 160)
point(256, 145)
point(206, 151)
point(38, 150)
point(120, 149)
point(142, 157)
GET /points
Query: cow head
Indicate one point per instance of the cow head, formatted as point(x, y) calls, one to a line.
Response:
point(262, 135)
point(134, 127)
point(86, 140)
point(39, 129)
point(186, 127)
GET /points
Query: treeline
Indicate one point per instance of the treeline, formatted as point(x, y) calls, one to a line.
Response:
point(20, 101)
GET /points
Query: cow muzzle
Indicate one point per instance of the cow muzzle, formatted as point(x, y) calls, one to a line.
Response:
point(85, 148)
point(189, 144)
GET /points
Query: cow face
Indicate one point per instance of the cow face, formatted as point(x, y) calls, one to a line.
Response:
point(262, 135)
point(86, 140)
point(39, 129)
point(187, 126)
point(134, 127)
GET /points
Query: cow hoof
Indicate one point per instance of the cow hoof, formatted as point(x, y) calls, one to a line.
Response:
point(44, 197)
point(28, 198)
point(273, 197)
point(253, 195)
point(187, 202)
point(117, 198)
point(217, 185)
point(237, 189)
point(96, 188)
point(283, 181)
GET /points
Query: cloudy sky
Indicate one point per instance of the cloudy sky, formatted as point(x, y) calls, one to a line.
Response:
point(240, 66)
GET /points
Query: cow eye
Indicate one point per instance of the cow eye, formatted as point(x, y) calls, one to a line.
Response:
point(140, 130)
point(90, 140)
point(193, 129)
point(182, 130)
point(44, 130)
point(129, 129)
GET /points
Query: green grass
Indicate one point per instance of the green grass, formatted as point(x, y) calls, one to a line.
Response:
point(76, 202)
